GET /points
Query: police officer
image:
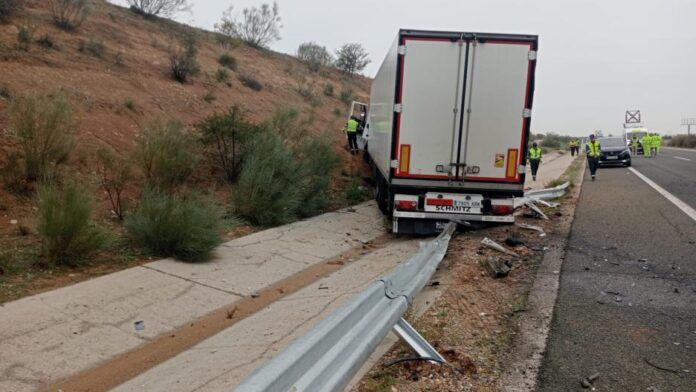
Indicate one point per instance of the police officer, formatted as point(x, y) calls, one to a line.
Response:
point(634, 145)
point(573, 147)
point(658, 141)
point(594, 151)
point(534, 159)
point(645, 142)
point(351, 130)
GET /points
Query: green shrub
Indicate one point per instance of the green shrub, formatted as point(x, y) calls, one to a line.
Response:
point(227, 60)
point(317, 160)
point(66, 230)
point(95, 47)
point(222, 75)
point(355, 192)
point(46, 42)
point(329, 90)
point(171, 225)
point(183, 58)
point(164, 152)
point(268, 192)
point(314, 56)
point(8, 8)
point(209, 97)
point(227, 133)
point(43, 127)
point(129, 104)
point(347, 96)
point(25, 35)
point(114, 174)
point(70, 14)
point(250, 82)
point(286, 123)
point(555, 141)
point(683, 141)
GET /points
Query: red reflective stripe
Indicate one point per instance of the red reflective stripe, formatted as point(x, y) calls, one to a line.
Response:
point(440, 202)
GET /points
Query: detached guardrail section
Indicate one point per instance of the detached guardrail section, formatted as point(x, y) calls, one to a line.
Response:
point(541, 194)
point(327, 357)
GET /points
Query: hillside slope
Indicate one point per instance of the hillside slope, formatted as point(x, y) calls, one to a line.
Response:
point(117, 88)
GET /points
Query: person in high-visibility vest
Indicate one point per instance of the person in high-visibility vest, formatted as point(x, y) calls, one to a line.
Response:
point(634, 145)
point(573, 147)
point(645, 142)
point(534, 159)
point(594, 151)
point(351, 130)
point(658, 139)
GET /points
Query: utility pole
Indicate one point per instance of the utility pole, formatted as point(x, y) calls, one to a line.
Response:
point(688, 122)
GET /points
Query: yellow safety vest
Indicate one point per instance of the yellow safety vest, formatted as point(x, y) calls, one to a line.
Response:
point(535, 153)
point(352, 126)
point(594, 149)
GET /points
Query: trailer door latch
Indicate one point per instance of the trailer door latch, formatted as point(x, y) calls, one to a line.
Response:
point(532, 55)
point(402, 50)
point(398, 108)
point(527, 113)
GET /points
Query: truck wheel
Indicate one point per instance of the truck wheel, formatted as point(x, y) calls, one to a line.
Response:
point(382, 196)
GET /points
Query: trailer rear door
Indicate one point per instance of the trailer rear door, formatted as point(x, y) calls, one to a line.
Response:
point(497, 96)
point(431, 79)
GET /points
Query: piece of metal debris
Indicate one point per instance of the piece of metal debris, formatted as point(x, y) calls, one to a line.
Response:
point(536, 210)
point(587, 381)
point(496, 267)
point(494, 245)
point(539, 229)
point(139, 325)
point(513, 240)
point(255, 294)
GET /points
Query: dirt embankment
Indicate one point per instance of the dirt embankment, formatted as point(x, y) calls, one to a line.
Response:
point(114, 70)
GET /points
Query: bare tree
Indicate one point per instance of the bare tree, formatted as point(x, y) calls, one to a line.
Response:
point(258, 27)
point(352, 58)
point(314, 55)
point(183, 58)
point(158, 7)
point(69, 14)
point(10, 7)
point(114, 175)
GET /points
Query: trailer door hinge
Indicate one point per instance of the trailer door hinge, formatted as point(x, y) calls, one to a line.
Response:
point(394, 163)
point(398, 108)
point(527, 113)
point(401, 50)
point(532, 55)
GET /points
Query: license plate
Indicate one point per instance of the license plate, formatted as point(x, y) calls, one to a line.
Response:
point(453, 203)
point(612, 157)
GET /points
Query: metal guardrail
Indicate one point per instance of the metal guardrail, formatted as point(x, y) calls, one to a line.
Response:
point(541, 194)
point(328, 356)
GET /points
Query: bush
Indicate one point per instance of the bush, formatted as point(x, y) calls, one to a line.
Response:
point(222, 75)
point(183, 61)
point(347, 96)
point(70, 14)
point(129, 104)
point(258, 27)
point(170, 225)
point(95, 47)
point(66, 230)
point(46, 42)
point(555, 141)
point(9, 8)
point(227, 60)
point(25, 35)
point(683, 141)
point(44, 128)
point(164, 152)
point(307, 90)
point(355, 192)
point(317, 160)
point(227, 133)
point(352, 58)
point(152, 8)
point(209, 97)
point(315, 56)
point(114, 175)
point(250, 82)
point(329, 90)
point(268, 191)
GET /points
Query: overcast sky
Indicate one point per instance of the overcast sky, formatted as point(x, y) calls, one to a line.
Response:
point(597, 58)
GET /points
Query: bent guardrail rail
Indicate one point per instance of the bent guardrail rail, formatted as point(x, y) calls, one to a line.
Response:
point(328, 356)
point(541, 194)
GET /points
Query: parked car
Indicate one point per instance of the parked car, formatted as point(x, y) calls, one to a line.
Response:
point(614, 152)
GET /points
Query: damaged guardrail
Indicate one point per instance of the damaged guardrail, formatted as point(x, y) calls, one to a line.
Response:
point(541, 194)
point(328, 356)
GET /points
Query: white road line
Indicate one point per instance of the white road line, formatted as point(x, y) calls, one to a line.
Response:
point(680, 204)
point(683, 159)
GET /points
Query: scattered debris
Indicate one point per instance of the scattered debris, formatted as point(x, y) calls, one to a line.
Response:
point(494, 245)
point(435, 283)
point(231, 312)
point(351, 209)
point(642, 260)
point(496, 267)
point(139, 325)
point(255, 294)
point(587, 381)
point(532, 227)
point(666, 369)
point(536, 210)
point(514, 240)
point(323, 287)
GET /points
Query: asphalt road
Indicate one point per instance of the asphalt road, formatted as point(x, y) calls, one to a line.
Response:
point(626, 308)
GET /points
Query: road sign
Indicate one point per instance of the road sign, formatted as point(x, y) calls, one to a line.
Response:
point(688, 122)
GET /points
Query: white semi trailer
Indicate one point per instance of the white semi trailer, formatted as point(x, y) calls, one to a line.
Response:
point(448, 126)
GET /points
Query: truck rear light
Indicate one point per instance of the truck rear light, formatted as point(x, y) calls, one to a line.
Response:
point(405, 158)
point(502, 207)
point(406, 202)
point(511, 171)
